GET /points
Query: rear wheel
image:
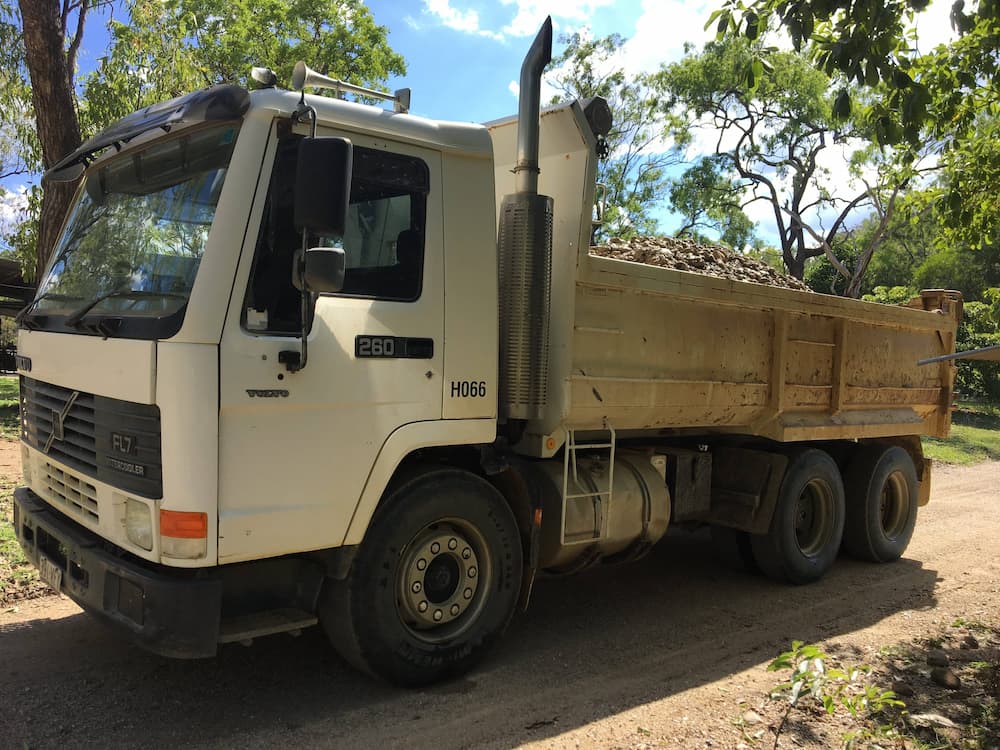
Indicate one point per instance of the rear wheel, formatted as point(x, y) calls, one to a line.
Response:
point(808, 523)
point(881, 485)
point(434, 584)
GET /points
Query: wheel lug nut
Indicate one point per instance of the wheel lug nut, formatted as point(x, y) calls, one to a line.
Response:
point(466, 553)
point(472, 572)
point(416, 587)
point(467, 593)
point(438, 614)
point(452, 543)
point(421, 564)
point(422, 606)
point(454, 609)
point(435, 548)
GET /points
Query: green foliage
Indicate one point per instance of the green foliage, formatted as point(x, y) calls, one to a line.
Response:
point(890, 295)
point(979, 379)
point(10, 410)
point(709, 200)
point(822, 277)
point(947, 96)
point(169, 47)
point(19, 149)
point(968, 186)
point(636, 171)
point(166, 48)
point(833, 689)
point(21, 239)
point(772, 126)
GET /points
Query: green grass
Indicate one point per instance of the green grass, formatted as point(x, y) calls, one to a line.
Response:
point(10, 415)
point(975, 437)
point(18, 577)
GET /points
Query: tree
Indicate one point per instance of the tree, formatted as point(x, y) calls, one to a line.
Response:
point(50, 58)
point(168, 47)
point(772, 131)
point(949, 96)
point(709, 200)
point(636, 171)
point(914, 254)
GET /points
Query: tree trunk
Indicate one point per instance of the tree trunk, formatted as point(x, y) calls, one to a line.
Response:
point(55, 108)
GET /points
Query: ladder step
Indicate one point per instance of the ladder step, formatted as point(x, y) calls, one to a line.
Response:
point(257, 624)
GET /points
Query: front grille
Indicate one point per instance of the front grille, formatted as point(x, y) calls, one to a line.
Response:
point(71, 492)
point(115, 441)
point(41, 406)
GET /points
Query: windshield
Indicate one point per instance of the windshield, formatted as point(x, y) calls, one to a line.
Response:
point(135, 237)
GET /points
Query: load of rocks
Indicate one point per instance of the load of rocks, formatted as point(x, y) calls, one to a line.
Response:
point(687, 255)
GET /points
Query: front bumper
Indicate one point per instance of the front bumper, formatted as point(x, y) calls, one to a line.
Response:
point(172, 613)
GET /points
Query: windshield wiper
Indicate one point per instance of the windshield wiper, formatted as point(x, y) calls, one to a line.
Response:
point(44, 295)
point(75, 317)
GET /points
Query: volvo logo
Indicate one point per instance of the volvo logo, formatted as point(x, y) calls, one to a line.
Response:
point(58, 419)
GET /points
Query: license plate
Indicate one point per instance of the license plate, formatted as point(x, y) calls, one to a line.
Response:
point(50, 573)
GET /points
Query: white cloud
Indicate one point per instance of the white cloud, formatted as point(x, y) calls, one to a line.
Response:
point(661, 32)
point(531, 13)
point(412, 22)
point(934, 26)
point(527, 18)
point(12, 202)
point(515, 88)
point(459, 20)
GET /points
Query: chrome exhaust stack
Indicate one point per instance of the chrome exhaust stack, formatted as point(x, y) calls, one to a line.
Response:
point(525, 256)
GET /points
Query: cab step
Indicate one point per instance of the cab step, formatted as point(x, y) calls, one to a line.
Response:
point(244, 628)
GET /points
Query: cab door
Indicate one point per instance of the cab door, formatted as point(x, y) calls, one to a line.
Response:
point(296, 448)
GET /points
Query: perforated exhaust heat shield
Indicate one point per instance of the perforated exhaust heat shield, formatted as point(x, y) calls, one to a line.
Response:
point(525, 255)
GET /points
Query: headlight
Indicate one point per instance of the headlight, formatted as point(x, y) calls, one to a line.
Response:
point(138, 524)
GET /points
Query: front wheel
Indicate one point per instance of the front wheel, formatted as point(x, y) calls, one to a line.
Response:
point(434, 584)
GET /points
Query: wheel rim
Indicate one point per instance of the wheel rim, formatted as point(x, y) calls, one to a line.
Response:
point(894, 505)
point(442, 580)
point(814, 517)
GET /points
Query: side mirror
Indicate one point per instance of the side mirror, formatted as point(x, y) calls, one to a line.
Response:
point(323, 185)
point(324, 269)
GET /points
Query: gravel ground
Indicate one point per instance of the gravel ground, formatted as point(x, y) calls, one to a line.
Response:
point(688, 255)
point(668, 652)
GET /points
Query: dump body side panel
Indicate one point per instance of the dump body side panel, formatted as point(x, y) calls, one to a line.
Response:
point(657, 349)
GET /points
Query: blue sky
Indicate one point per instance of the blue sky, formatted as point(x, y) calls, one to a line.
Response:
point(463, 56)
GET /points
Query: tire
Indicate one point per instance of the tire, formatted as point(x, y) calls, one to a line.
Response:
point(434, 584)
point(808, 523)
point(733, 548)
point(881, 487)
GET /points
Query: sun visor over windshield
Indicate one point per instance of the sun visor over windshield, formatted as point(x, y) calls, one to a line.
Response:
point(223, 102)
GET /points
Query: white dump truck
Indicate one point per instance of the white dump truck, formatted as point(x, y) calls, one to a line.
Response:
point(297, 360)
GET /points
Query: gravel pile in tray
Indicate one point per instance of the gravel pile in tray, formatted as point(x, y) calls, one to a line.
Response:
point(688, 255)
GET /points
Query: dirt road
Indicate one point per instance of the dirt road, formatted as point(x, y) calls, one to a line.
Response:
point(658, 654)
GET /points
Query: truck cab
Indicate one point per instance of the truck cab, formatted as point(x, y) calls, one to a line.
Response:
point(158, 411)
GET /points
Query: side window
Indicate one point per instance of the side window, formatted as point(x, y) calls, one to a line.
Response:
point(383, 241)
